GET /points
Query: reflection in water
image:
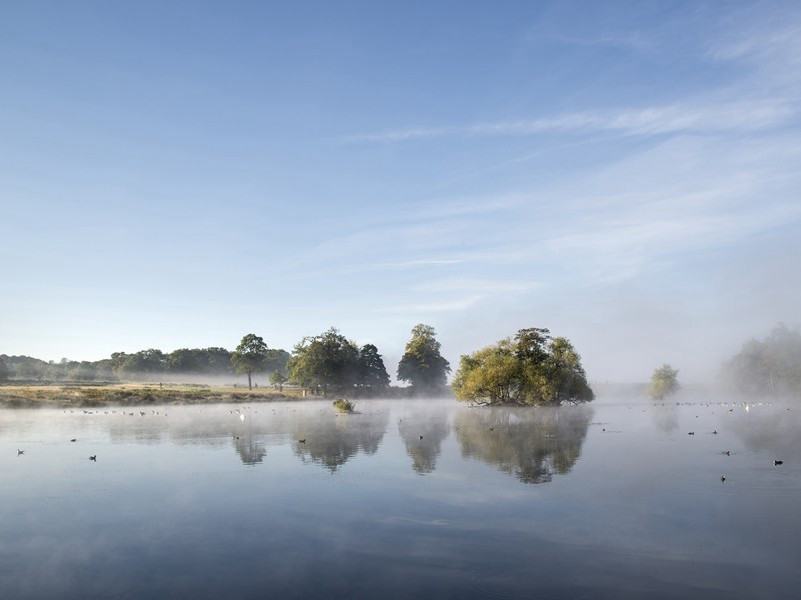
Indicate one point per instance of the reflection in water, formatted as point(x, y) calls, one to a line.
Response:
point(423, 434)
point(665, 417)
point(770, 430)
point(331, 439)
point(249, 450)
point(532, 443)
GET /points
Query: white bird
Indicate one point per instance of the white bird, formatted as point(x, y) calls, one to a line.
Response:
point(241, 417)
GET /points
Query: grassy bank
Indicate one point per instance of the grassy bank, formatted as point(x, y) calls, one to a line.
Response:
point(129, 394)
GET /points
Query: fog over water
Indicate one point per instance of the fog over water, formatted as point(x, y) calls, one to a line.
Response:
point(404, 497)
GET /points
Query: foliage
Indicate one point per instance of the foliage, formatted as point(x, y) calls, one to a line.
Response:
point(532, 369)
point(278, 379)
point(324, 362)
point(4, 372)
point(142, 365)
point(250, 356)
point(770, 367)
point(664, 382)
point(372, 374)
point(422, 365)
point(344, 405)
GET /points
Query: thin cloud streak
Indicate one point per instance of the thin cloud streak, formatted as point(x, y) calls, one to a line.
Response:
point(742, 116)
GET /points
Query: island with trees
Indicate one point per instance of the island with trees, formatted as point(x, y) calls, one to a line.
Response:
point(533, 369)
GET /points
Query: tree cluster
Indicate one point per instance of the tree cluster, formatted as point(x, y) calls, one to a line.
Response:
point(771, 367)
point(532, 369)
point(330, 362)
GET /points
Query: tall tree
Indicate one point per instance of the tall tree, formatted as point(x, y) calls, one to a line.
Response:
point(373, 376)
point(3, 370)
point(328, 361)
point(250, 356)
point(422, 365)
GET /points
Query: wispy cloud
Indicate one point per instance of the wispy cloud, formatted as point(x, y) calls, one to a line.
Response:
point(698, 117)
point(433, 307)
point(423, 262)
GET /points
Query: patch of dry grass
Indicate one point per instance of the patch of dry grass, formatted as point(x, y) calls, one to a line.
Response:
point(129, 394)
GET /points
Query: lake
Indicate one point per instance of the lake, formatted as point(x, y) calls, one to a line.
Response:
point(427, 499)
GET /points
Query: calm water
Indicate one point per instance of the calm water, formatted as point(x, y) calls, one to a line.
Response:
point(612, 501)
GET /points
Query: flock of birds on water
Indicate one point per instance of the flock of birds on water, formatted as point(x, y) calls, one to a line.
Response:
point(241, 414)
point(730, 409)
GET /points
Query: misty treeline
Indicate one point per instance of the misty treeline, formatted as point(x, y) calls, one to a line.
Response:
point(142, 365)
point(770, 367)
point(325, 363)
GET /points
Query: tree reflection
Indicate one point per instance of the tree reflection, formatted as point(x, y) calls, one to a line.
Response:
point(249, 450)
point(423, 434)
point(532, 444)
point(332, 439)
point(665, 418)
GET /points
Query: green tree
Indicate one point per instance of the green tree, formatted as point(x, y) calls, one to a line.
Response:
point(250, 356)
point(372, 374)
point(531, 370)
point(664, 382)
point(421, 364)
point(4, 372)
point(328, 361)
point(278, 379)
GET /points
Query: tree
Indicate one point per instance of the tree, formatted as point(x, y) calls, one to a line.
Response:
point(664, 382)
point(328, 361)
point(278, 379)
point(3, 370)
point(249, 356)
point(534, 369)
point(372, 374)
point(771, 367)
point(422, 365)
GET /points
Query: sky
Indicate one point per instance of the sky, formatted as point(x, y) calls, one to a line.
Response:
point(178, 174)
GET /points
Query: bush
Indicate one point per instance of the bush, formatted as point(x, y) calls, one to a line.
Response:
point(344, 406)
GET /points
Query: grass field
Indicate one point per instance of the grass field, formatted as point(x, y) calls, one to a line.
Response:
point(129, 394)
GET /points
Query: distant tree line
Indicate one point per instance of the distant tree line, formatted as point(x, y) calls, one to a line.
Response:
point(770, 367)
point(142, 365)
point(328, 363)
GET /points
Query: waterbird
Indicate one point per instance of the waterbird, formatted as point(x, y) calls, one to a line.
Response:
point(690, 433)
point(93, 457)
point(722, 478)
point(303, 441)
point(715, 432)
point(778, 462)
point(421, 437)
point(727, 453)
point(73, 440)
point(20, 451)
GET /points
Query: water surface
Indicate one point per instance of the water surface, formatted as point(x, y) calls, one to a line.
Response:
point(405, 498)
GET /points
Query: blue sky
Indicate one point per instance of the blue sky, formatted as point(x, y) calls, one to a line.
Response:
point(178, 174)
